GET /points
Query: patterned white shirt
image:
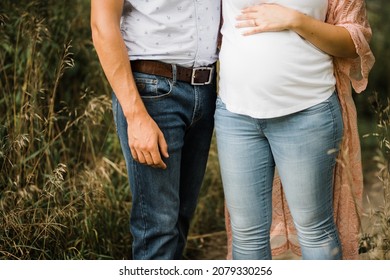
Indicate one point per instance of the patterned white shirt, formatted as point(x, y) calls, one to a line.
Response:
point(183, 32)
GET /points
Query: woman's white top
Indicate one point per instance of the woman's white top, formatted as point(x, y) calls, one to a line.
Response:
point(272, 74)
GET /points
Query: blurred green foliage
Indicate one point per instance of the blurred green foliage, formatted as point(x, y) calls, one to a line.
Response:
point(379, 79)
point(379, 11)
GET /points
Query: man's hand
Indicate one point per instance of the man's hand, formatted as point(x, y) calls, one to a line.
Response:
point(146, 141)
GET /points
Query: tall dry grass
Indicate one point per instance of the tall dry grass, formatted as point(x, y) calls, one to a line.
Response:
point(375, 240)
point(57, 196)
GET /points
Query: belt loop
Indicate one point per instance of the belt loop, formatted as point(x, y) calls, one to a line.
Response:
point(174, 73)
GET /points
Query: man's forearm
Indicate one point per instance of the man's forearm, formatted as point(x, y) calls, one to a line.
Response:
point(112, 53)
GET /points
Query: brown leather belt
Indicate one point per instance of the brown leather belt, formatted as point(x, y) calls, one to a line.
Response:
point(195, 76)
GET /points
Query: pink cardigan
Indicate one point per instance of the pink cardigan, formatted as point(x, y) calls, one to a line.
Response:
point(348, 183)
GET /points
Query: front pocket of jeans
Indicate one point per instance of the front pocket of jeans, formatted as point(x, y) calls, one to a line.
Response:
point(321, 107)
point(153, 88)
point(219, 103)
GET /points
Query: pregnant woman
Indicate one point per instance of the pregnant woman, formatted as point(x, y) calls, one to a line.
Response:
point(285, 103)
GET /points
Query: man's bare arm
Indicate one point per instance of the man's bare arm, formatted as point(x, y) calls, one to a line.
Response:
point(146, 141)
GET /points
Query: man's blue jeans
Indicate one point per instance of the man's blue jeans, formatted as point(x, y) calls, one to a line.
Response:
point(303, 146)
point(164, 201)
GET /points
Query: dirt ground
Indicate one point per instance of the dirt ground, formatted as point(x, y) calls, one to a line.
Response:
point(215, 248)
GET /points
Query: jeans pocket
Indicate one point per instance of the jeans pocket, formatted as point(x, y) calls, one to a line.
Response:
point(219, 103)
point(315, 109)
point(321, 107)
point(151, 86)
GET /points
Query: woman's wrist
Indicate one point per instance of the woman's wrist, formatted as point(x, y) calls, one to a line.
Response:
point(297, 20)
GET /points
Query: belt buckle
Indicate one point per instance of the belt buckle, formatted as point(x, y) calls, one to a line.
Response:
point(205, 68)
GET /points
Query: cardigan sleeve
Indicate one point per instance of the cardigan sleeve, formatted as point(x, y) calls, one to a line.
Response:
point(352, 15)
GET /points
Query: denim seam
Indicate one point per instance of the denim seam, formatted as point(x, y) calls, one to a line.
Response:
point(196, 116)
point(335, 132)
point(334, 123)
point(142, 206)
point(265, 208)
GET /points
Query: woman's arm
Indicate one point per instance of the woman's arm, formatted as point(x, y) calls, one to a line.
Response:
point(334, 40)
point(146, 140)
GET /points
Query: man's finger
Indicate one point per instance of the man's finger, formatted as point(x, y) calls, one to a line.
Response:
point(141, 158)
point(157, 160)
point(163, 146)
point(134, 154)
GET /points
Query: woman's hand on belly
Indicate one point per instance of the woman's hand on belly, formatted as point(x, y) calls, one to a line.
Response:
point(266, 18)
point(331, 39)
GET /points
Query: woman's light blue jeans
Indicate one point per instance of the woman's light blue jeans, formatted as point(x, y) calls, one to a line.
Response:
point(303, 146)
